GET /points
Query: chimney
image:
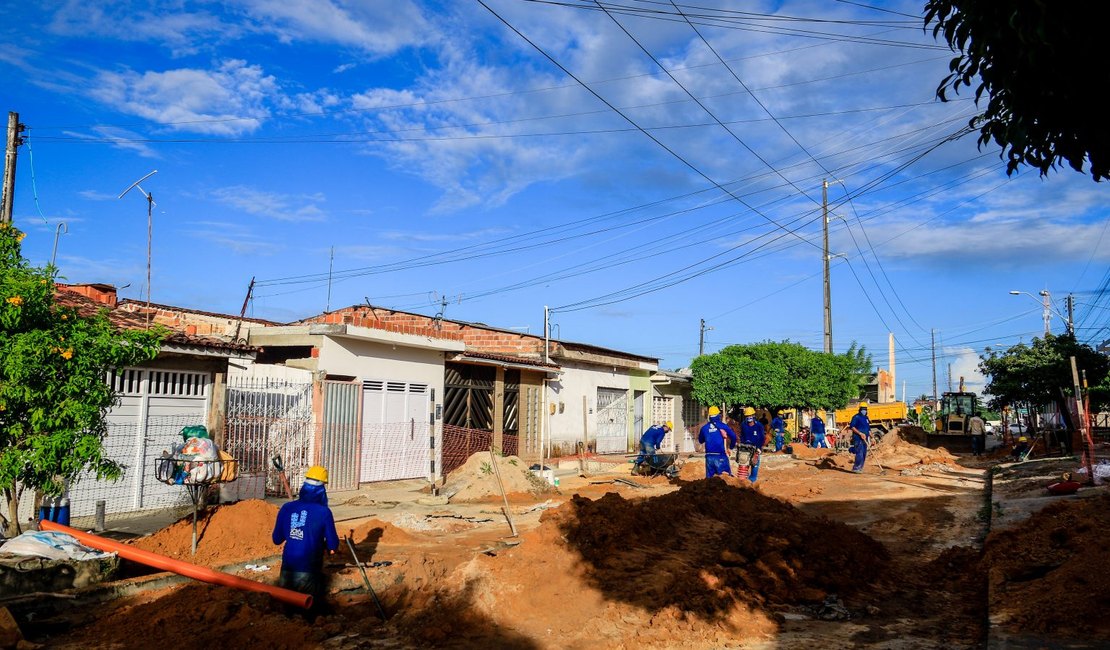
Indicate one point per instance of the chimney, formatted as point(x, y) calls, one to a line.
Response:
point(105, 294)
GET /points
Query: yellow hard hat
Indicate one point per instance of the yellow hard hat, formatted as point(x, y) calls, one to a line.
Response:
point(863, 405)
point(1023, 439)
point(713, 410)
point(748, 411)
point(669, 424)
point(317, 473)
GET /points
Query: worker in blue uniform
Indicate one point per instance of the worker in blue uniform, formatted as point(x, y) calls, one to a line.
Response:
point(752, 433)
point(649, 443)
point(718, 438)
point(778, 426)
point(817, 428)
point(861, 436)
point(307, 528)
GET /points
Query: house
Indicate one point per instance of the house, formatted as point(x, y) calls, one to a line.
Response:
point(183, 386)
point(595, 397)
point(673, 400)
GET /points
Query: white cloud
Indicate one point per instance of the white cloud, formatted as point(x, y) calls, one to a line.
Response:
point(964, 362)
point(183, 32)
point(378, 28)
point(119, 138)
point(233, 98)
point(274, 205)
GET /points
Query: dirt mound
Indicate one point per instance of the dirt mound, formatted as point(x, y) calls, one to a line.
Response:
point(225, 535)
point(809, 453)
point(475, 480)
point(896, 450)
point(1044, 573)
point(692, 470)
point(706, 564)
point(377, 531)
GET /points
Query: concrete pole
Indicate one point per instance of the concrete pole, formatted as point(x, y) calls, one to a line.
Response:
point(1047, 301)
point(825, 261)
point(893, 378)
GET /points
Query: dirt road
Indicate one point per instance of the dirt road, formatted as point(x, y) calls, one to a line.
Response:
point(813, 556)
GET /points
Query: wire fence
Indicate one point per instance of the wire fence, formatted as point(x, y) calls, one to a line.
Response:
point(460, 443)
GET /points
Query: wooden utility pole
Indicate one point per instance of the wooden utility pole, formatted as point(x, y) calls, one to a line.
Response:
point(1089, 447)
point(825, 260)
point(7, 196)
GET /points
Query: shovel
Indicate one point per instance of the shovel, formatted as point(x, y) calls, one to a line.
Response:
point(281, 474)
point(365, 579)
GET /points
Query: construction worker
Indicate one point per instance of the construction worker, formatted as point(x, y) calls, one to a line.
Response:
point(752, 433)
point(718, 438)
point(1021, 448)
point(817, 427)
point(649, 443)
point(978, 430)
point(307, 528)
point(861, 436)
point(778, 426)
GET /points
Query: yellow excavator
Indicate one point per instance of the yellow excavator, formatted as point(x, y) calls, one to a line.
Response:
point(956, 408)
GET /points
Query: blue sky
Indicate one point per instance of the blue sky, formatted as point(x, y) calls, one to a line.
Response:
point(636, 170)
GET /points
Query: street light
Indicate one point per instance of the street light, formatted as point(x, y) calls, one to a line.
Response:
point(1046, 302)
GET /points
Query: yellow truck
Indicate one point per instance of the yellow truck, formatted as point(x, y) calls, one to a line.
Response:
point(883, 416)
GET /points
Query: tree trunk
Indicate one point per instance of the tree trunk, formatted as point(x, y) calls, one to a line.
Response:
point(12, 528)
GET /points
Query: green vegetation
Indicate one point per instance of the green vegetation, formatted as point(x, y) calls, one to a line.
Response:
point(1039, 66)
point(53, 396)
point(1038, 373)
point(780, 375)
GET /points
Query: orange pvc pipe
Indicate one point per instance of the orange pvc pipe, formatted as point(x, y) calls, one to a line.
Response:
point(187, 569)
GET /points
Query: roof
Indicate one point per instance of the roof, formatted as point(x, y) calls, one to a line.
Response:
point(505, 359)
point(201, 312)
point(586, 347)
point(126, 320)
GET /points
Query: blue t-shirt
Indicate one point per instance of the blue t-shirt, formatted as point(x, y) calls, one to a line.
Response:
point(306, 526)
point(753, 434)
point(861, 424)
point(710, 436)
point(817, 426)
point(778, 425)
point(654, 435)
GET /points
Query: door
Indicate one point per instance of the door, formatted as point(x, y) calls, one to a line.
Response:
point(637, 416)
point(662, 410)
point(612, 421)
point(154, 406)
point(395, 431)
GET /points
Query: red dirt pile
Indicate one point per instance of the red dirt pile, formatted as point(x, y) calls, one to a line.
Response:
point(1047, 574)
point(377, 531)
point(897, 450)
point(706, 564)
point(226, 534)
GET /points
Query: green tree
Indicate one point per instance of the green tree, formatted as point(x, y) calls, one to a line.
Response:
point(778, 375)
point(1040, 373)
point(1040, 64)
point(53, 396)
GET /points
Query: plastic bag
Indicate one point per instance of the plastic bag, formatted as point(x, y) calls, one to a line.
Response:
point(51, 545)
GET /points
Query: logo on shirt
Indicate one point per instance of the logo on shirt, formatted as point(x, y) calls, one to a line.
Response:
point(296, 524)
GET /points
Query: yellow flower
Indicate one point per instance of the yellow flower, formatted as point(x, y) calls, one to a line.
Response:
point(20, 237)
point(67, 354)
point(15, 300)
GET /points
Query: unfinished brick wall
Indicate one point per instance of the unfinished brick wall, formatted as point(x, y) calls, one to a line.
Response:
point(477, 339)
point(196, 324)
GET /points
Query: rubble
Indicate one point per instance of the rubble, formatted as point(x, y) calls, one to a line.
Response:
point(476, 480)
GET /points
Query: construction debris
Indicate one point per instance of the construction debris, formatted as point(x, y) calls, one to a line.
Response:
point(227, 534)
point(476, 479)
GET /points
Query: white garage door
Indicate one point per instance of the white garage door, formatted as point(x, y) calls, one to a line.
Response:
point(154, 406)
point(395, 430)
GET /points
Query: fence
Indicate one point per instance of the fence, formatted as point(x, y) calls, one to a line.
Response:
point(460, 443)
point(268, 418)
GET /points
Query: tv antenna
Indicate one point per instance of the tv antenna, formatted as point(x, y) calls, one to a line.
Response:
point(149, 230)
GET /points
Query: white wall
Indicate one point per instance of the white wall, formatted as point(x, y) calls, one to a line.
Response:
point(566, 393)
point(370, 360)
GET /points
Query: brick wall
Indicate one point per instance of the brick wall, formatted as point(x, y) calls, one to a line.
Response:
point(477, 339)
point(193, 323)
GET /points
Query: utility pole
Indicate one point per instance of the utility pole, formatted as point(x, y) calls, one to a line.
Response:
point(1071, 314)
point(949, 378)
point(7, 196)
point(933, 337)
point(331, 263)
point(546, 336)
point(1047, 301)
point(243, 311)
point(701, 337)
point(825, 261)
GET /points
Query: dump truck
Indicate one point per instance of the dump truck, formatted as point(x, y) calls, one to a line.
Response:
point(884, 416)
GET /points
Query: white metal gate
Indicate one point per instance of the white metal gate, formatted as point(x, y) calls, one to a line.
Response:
point(154, 406)
point(612, 421)
point(395, 441)
point(662, 410)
